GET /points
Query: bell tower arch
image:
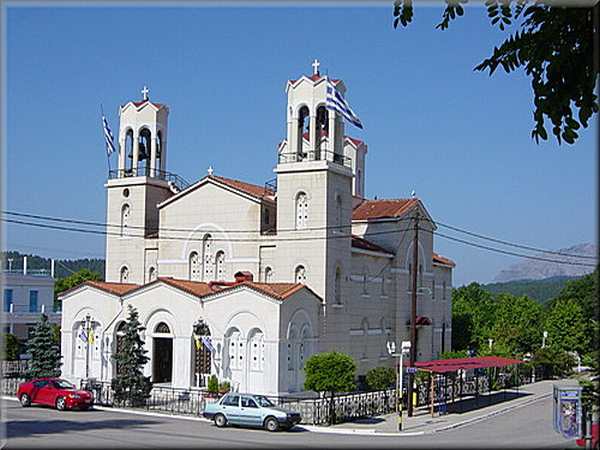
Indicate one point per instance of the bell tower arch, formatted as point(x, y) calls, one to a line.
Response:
point(139, 183)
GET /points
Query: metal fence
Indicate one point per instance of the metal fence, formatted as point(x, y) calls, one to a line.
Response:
point(11, 369)
point(316, 410)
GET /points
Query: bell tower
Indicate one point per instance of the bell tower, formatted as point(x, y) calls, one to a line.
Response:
point(314, 197)
point(134, 189)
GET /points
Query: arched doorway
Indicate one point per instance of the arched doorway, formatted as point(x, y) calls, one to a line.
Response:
point(202, 354)
point(162, 354)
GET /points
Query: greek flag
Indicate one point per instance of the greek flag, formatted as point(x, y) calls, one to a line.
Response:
point(108, 137)
point(337, 102)
point(208, 344)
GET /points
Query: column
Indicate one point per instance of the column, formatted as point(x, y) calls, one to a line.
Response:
point(122, 156)
point(182, 362)
point(163, 151)
point(312, 137)
point(153, 154)
point(136, 152)
point(293, 144)
point(331, 137)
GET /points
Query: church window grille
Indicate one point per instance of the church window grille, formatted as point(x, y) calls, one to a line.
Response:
point(220, 265)
point(207, 257)
point(256, 351)
point(301, 211)
point(124, 275)
point(194, 267)
point(162, 328)
point(125, 214)
point(300, 275)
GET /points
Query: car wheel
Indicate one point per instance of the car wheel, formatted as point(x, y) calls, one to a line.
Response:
point(25, 400)
point(60, 404)
point(271, 424)
point(220, 420)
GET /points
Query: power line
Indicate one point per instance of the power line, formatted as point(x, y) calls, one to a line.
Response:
point(107, 233)
point(512, 244)
point(331, 227)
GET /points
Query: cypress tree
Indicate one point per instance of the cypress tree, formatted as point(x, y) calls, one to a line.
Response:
point(130, 386)
point(45, 353)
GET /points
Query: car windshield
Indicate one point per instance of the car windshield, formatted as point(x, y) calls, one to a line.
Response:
point(263, 401)
point(63, 384)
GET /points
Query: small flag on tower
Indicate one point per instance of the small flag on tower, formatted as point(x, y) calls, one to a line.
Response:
point(108, 136)
point(337, 102)
point(208, 343)
point(83, 336)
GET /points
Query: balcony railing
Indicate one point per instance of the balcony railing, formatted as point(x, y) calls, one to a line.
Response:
point(179, 182)
point(30, 272)
point(315, 155)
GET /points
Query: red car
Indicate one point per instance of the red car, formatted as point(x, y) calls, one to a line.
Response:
point(53, 392)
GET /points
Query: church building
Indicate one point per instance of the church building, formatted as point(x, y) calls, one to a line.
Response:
point(247, 281)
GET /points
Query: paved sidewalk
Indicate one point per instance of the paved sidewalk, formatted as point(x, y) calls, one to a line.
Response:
point(467, 411)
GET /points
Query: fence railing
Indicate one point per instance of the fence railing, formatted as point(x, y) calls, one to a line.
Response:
point(179, 182)
point(12, 369)
point(315, 155)
point(316, 410)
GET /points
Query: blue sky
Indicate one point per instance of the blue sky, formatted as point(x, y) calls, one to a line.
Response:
point(458, 137)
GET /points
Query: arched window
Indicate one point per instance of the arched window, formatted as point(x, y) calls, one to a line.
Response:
point(300, 275)
point(338, 214)
point(322, 128)
point(194, 267)
point(125, 213)
point(220, 265)
point(128, 153)
point(162, 328)
point(303, 347)
point(145, 145)
point(303, 127)
point(268, 275)
point(151, 274)
point(338, 286)
point(235, 349)
point(257, 350)
point(207, 258)
point(159, 149)
point(301, 211)
point(290, 348)
point(124, 274)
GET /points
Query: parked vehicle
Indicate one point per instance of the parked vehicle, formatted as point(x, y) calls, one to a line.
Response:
point(53, 392)
point(250, 410)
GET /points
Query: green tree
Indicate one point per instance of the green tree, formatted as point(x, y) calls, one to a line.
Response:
point(130, 386)
point(75, 279)
point(56, 333)
point(330, 372)
point(11, 348)
point(517, 324)
point(472, 317)
point(553, 361)
point(567, 327)
point(45, 354)
point(380, 378)
point(554, 46)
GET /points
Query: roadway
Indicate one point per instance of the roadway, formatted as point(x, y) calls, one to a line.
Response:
point(41, 427)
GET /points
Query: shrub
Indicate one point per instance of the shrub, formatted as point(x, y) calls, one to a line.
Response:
point(380, 378)
point(213, 384)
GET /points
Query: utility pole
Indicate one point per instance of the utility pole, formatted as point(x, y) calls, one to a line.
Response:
point(413, 314)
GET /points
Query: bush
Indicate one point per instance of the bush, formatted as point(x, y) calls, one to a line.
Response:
point(213, 384)
point(224, 387)
point(12, 348)
point(380, 378)
point(554, 362)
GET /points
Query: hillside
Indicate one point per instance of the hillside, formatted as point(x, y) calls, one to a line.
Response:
point(540, 290)
point(35, 262)
point(539, 270)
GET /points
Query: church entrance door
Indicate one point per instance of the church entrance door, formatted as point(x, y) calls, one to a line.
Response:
point(162, 360)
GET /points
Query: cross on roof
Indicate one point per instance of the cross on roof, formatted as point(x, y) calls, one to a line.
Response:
point(145, 92)
point(315, 66)
point(210, 170)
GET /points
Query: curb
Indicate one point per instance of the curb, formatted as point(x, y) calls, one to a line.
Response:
point(356, 431)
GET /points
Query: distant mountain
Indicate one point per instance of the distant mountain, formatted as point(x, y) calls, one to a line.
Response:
point(540, 290)
point(62, 267)
point(531, 269)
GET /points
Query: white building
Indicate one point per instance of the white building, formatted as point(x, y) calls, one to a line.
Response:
point(26, 294)
point(318, 266)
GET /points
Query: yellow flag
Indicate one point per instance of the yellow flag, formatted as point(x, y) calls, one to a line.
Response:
point(90, 336)
point(198, 342)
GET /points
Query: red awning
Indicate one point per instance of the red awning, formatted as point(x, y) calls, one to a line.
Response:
point(452, 365)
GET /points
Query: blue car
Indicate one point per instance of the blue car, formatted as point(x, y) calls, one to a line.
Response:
point(250, 410)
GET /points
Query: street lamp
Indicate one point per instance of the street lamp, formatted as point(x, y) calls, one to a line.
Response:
point(490, 342)
point(404, 350)
point(544, 336)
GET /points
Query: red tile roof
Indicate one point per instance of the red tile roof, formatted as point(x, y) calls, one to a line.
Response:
point(314, 77)
point(380, 209)
point(112, 288)
point(138, 104)
point(439, 259)
point(355, 141)
point(358, 242)
point(248, 188)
